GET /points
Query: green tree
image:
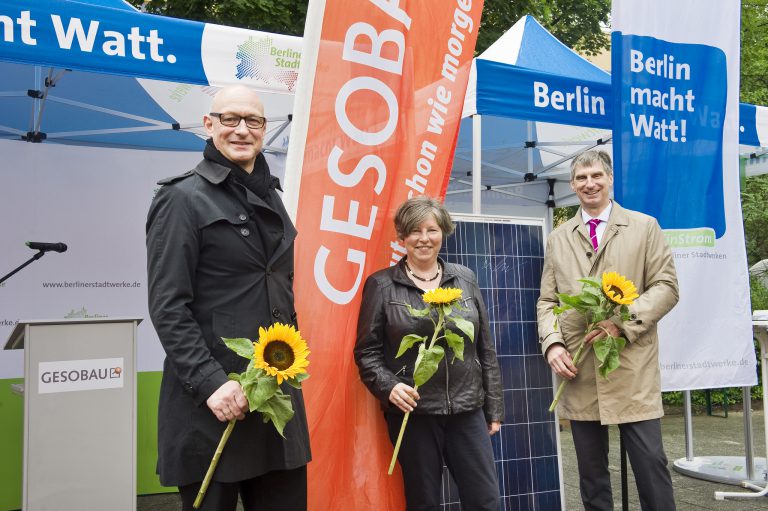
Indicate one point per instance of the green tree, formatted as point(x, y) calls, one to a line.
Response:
point(754, 198)
point(562, 215)
point(754, 52)
point(577, 23)
point(277, 16)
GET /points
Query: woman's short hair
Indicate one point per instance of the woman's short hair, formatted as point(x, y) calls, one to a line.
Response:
point(589, 158)
point(414, 211)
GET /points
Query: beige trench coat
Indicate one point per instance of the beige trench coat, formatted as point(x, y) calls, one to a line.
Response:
point(634, 246)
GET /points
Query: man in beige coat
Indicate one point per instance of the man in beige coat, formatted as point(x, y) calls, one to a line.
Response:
point(604, 237)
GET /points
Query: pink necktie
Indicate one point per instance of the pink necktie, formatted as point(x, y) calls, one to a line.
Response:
point(593, 232)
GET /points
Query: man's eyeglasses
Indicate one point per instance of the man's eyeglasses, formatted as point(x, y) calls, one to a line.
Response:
point(233, 120)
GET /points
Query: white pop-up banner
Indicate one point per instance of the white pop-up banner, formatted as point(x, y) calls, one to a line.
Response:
point(675, 88)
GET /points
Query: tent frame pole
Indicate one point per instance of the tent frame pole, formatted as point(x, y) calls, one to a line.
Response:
point(477, 144)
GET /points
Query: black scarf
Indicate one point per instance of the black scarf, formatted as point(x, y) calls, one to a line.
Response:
point(259, 181)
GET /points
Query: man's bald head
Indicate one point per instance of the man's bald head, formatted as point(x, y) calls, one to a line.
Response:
point(236, 94)
point(239, 144)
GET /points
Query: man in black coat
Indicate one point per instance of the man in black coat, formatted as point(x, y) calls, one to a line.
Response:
point(220, 264)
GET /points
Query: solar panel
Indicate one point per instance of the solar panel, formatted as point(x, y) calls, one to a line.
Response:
point(507, 256)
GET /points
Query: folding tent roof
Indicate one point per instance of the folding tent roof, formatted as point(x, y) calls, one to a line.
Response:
point(535, 104)
point(105, 74)
point(523, 151)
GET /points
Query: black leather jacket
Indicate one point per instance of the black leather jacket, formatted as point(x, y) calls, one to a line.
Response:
point(384, 320)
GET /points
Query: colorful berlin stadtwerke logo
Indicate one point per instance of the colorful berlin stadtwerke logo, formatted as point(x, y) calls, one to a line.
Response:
point(261, 60)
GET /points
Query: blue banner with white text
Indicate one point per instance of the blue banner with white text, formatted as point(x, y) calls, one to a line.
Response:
point(80, 36)
point(669, 126)
point(511, 91)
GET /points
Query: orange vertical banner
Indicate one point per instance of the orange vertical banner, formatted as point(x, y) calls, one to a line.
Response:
point(383, 118)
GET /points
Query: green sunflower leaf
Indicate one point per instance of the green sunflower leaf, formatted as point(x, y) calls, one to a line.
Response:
point(456, 343)
point(592, 291)
point(419, 357)
point(296, 382)
point(259, 390)
point(241, 346)
point(430, 359)
point(447, 309)
point(253, 373)
point(590, 282)
point(417, 313)
point(602, 347)
point(408, 342)
point(589, 298)
point(465, 326)
point(572, 301)
point(597, 314)
point(609, 349)
point(234, 376)
point(459, 305)
point(559, 309)
point(277, 409)
point(611, 364)
point(624, 313)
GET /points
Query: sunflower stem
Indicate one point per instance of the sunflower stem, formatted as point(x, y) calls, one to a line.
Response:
point(438, 326)
point(399, 440)
point(214, 462)
point(576, 360)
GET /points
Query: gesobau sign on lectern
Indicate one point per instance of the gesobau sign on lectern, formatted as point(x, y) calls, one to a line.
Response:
point(79, 413)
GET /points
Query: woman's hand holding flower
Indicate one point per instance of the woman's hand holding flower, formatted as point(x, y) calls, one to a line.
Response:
point(443, 302)
point(404, 397)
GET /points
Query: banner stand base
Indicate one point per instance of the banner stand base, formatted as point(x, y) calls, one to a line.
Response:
point(722, 469)
point(760, 329)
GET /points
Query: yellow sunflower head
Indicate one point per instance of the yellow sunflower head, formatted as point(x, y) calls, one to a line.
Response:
point(618, 288)
point(280, 351)
point(442, 295)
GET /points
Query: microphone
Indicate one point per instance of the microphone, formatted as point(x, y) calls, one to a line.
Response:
point(47, 247)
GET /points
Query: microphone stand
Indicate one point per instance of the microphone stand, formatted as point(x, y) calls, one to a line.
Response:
point(28, 262)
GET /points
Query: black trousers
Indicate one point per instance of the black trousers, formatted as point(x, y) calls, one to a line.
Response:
point(646, 455)
point(461, 441)
point(279, 490)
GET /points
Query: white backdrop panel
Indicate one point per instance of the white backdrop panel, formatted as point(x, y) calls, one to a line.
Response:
point(95, 200)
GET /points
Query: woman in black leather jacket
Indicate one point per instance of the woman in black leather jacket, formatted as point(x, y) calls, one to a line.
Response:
point(456, 411)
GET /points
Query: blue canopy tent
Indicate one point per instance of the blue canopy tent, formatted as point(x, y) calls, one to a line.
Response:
point(753, 123)
point(532, 104)
point(108, 75)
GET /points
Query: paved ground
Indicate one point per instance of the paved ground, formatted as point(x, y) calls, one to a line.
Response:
point(712, 436)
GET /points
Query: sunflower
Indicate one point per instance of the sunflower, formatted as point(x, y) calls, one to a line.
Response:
point(442, 295)
point(618, 288)
point(281, 352)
